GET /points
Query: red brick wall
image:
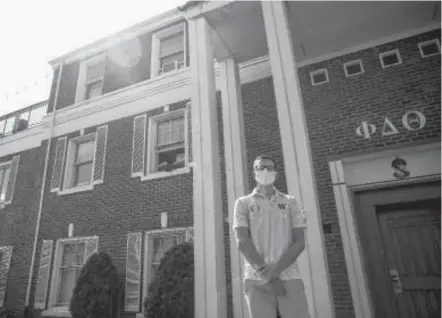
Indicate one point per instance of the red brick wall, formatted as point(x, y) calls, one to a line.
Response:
point(118, 206)
point(17, 223)
point(334, 110)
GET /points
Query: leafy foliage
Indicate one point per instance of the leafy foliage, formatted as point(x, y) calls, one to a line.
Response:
point(171, 291)
point(96, 288)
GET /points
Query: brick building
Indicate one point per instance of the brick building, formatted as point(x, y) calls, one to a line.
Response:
point(147, 142)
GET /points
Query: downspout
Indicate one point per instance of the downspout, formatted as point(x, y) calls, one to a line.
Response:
point(45, 170)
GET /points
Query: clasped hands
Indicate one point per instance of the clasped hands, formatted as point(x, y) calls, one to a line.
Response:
point(270, 279)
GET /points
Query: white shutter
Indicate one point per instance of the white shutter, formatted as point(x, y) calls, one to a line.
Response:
point(133, 272)
point(91, 247)
point(41, 290)
point(57, 169)
point(139, 145)
point(188, 126)
point(5, 262)
point(11, 182)
point(100, 154)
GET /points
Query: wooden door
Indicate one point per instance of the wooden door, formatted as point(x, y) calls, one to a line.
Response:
point(400, 237)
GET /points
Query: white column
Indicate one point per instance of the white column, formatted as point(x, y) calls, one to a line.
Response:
point(210, 281)
point(236, 169)
point(297, 158)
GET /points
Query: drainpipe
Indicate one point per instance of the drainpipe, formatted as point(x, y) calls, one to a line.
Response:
point(45, 171)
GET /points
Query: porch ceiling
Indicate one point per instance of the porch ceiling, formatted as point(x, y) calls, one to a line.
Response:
point(318, 27)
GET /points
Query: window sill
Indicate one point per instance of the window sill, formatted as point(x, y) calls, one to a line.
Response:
point(56, 312)
point(171, 73)
point(84, 188)
point(165, 174)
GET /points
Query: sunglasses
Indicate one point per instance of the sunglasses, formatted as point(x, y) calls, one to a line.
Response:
point(262, 167)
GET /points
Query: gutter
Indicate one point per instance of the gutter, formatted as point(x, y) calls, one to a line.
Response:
point(45, 171)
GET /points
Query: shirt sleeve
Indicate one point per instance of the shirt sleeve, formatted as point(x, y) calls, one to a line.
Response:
point(297, 214)
point(240, 215)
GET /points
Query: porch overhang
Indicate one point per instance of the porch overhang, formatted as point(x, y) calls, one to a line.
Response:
point(319, 28)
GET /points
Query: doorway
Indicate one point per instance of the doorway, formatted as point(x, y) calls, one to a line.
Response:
point(400, 237)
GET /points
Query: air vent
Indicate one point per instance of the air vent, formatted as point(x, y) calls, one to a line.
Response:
point(390, 58)
point(429, 48)
point(319, 77)
point(353, 68)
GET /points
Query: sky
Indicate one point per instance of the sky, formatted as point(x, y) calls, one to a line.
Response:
point(34, 32)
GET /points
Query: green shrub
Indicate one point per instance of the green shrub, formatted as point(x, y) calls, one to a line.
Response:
point(96, 288)
point(171, 291)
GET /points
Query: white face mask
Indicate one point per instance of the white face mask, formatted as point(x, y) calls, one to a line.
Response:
point(265, 177)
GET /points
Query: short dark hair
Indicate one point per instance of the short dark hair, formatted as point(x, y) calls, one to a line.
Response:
point(266, 157)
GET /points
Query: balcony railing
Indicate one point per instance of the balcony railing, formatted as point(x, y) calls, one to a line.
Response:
point(23, 119)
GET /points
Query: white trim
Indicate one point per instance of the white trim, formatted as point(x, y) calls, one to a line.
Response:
point(313, 265)
point(433, 41)
point(317, 72)
point(424, 163)
point(370, 44)
point(57, 312)
point(83, 188)
point(165, 174)
point(81, 82)
point(72, 143)
point(236, 171)
point(351, 63)
point(29, 138)
point(389, 53)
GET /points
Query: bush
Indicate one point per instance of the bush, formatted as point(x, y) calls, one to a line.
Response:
point(96, 288)
point(171, 291)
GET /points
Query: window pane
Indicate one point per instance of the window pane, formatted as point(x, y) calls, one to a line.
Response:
point(85, 152)
point(93, 89)
point(10, 122)
point(73, 255)
point(172, 44)
point(161, 245)
point(4, 183)
point(83, 173)
point(94, 72)
point(163, 133)
point(68, 278)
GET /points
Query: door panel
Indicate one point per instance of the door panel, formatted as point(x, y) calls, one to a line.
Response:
point(399, 232)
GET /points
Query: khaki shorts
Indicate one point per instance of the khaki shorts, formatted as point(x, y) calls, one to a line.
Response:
point(263, 304)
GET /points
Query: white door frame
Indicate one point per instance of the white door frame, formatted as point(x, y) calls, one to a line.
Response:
point(367, 172)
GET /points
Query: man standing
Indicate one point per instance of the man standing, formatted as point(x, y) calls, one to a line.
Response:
point(269, 228)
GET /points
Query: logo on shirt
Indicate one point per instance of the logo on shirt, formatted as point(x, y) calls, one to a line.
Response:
point(282, 206)
point(255, 208)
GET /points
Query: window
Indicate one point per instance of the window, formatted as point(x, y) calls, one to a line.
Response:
point(4, 178)
point(390, 58)
point(80, 162)
point(158, 243)
point(70, 256)
point(353, 68)
point(90, 79)
point(168, 50)
point(319, 77)
point(429, 48)
point(170, 144)
point(84, 159)
point(72, 259)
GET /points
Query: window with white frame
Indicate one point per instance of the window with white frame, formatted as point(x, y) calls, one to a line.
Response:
point(71, 261)
point(5, 170)
point(80, 161)
point(167, 142)
point(158, 243)
point(169, 50)
point(90, 79)
point(429, 48)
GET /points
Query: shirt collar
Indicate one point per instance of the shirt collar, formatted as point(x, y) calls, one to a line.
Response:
point(256, 192)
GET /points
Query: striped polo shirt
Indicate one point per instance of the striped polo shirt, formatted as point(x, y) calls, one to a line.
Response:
point(270, 222)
